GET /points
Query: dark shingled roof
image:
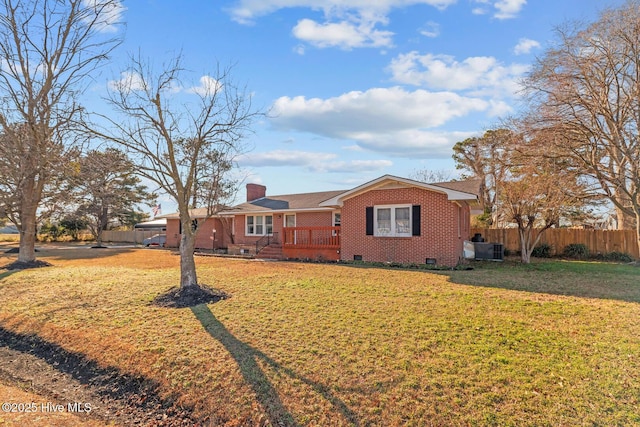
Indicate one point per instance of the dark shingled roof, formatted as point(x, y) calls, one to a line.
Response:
point(309, 201)
point(285, 202)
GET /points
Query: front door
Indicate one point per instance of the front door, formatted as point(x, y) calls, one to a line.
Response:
point(290, 221)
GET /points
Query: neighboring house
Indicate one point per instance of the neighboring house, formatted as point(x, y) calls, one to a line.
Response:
point(159, 225)
point(9, 229)
point(389, 219)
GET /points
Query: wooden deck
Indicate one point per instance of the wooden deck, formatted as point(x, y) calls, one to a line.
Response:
point(311, 243)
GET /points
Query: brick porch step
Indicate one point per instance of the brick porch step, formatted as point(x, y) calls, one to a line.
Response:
point(271, 252)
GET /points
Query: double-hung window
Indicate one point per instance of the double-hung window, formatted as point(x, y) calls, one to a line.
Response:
point(392, 221)
point(259, 225)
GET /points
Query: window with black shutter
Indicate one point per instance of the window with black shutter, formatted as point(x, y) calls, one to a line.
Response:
point(369, 216)
point(415, 220)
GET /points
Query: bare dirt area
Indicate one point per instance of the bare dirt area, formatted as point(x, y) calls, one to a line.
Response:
point(177, 297)
point(68, 387)
point(36, 410)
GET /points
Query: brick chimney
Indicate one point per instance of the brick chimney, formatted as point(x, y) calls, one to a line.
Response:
point(255, 192)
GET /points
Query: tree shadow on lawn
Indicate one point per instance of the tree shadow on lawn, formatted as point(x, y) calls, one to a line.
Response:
point(246, 357)
point(67, 253)
point(607, 281)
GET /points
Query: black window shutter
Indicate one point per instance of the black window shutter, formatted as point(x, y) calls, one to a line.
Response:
point(370, 221)
point(415, 219)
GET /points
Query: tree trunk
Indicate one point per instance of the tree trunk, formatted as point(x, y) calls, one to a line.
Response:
point(638, 228)
point(188, 275)
point(27, 238)
point(525, 252)
point(102, 225)
point(624, 220)
point(28, 229)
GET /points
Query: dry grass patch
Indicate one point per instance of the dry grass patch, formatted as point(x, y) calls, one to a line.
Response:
point(337, 345)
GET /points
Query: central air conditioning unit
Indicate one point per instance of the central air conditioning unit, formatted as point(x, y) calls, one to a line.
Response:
point(489, 251)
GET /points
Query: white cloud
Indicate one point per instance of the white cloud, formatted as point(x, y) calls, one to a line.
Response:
point(345, 35)
point(508, 8)
point(505, 9)
point(352, 166)
point(430, 29)
point(389, 120)
point(352, 24)
point(378, 109)
point(479, 11)
point(525, 46)
point(284, 158)
point(246, 11)
point(128, 82)
point(414, 143)
point(354, 147)
point(347, 24)
point(109, 14)
point(208, 86)
point(312, 161)
point(479, 75)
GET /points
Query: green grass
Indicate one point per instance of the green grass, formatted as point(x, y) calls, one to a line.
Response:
point(553, 343)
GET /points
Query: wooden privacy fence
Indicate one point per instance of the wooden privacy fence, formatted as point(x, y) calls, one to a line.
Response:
point(598, 241)
point(133, 236)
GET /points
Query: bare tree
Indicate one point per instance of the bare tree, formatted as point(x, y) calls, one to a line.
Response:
point(532, 201)
point(430, 176)
point(20, 177)
point(49, 50)
point(587, 88)
point(185, 148)
point(537, 192)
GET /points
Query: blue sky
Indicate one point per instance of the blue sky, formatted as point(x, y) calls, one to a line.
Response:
point(355, 88)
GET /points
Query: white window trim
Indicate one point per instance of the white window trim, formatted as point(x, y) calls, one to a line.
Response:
point(263, 223)
point(333, 221)
point(284, 219)
point(393, 232)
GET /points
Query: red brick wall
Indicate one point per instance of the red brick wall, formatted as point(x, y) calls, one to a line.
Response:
point(314, 219)
point(255, 191)
point(240, 229)
point(440, 222)
point(203, 236)
point(173, 233)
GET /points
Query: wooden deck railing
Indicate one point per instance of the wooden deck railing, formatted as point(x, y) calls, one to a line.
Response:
point(311, 237)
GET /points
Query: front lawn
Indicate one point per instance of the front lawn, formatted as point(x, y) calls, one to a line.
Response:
point(554, 343)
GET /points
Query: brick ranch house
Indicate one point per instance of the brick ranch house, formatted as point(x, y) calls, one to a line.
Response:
point(389, 219)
